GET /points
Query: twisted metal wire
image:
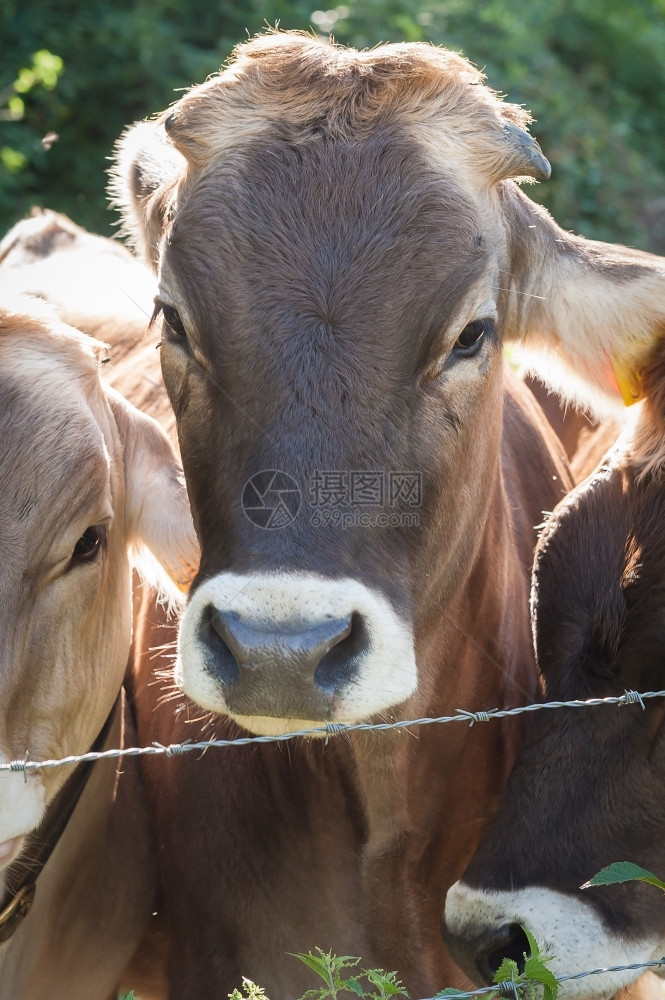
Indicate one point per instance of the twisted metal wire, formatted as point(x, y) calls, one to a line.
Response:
point(517, 988)
point(328, 729)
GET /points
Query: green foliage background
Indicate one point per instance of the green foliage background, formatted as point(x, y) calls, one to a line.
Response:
point(591, 71)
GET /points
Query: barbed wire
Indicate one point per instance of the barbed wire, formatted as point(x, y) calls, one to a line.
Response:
point(516, 987)
point(325, 731)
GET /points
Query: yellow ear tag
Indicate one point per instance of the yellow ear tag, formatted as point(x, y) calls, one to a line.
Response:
point(629, 381)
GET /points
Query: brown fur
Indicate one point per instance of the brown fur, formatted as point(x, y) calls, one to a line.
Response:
point(585, 440)
point(329, 357)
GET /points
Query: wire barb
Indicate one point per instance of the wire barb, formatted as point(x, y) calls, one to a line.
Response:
point(476, 716)
point(332, 729)
point(632, 698)
point(509, 986)
point(20, 765)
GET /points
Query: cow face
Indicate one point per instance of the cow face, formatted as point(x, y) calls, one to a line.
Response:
point(84, 479)
point(367, 356)
point(585, 790)
point(339, 257)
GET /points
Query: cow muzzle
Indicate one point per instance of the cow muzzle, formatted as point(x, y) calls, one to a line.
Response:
point(482, 926)
point(293, 647)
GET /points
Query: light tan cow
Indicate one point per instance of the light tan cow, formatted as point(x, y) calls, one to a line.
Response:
point(96, 285)
point(87, 483)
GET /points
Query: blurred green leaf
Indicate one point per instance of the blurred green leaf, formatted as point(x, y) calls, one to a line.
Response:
point(591, 71)
point(623, 871)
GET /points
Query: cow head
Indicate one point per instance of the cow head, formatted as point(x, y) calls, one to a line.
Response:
point(587, 786)
point(341, 254)
point(86, 479)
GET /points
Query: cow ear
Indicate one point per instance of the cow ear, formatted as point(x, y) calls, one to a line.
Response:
point(589, 314)
point(157, 515)
point(144, 177)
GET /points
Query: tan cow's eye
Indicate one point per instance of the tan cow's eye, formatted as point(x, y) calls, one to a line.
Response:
point(172, 317)
point(88, 546)
point(470, 339)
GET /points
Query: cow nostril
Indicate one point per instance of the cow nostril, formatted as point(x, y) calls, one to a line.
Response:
point(222, 662)
point(339, 665)
point(508, 941)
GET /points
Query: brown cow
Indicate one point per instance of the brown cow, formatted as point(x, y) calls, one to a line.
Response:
point(587, 785)
point(341, 253)
point(85, 479)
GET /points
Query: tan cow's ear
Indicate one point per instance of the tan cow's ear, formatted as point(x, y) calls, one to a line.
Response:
point(144, 176)
point(157, 510)
point(589, 314)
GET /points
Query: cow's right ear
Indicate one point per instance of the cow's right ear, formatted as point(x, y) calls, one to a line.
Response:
point(144, 176)
point(157, 515)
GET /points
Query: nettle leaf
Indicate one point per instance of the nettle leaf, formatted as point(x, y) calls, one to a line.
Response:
point(535, 970)
point(317, 963)
point(339, 962)
point(623, 871)
point(355, 985)
point(506, 971)
point(450, 991)
point(386, 982)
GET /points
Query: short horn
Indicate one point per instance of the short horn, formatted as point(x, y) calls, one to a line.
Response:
point(525, 157)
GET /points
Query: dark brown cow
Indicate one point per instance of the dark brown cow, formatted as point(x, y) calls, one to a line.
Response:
point(587, 787)
point(341, 253)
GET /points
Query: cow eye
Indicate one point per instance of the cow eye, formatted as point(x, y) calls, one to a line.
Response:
point(172, 317)
point(88, 546)
point(470, 339)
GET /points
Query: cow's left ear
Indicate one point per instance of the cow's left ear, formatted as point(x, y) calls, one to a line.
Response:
point(144, 176)
point(589, 314)
point(157, 510)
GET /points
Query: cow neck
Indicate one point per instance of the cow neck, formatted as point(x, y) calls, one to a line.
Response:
point(18, 903)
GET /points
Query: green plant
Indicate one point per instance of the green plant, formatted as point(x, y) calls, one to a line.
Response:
point(251, 991)
point(329, 967)
point(534, 974)
point(623, 871)
point(381, 985)
point(591, 71)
